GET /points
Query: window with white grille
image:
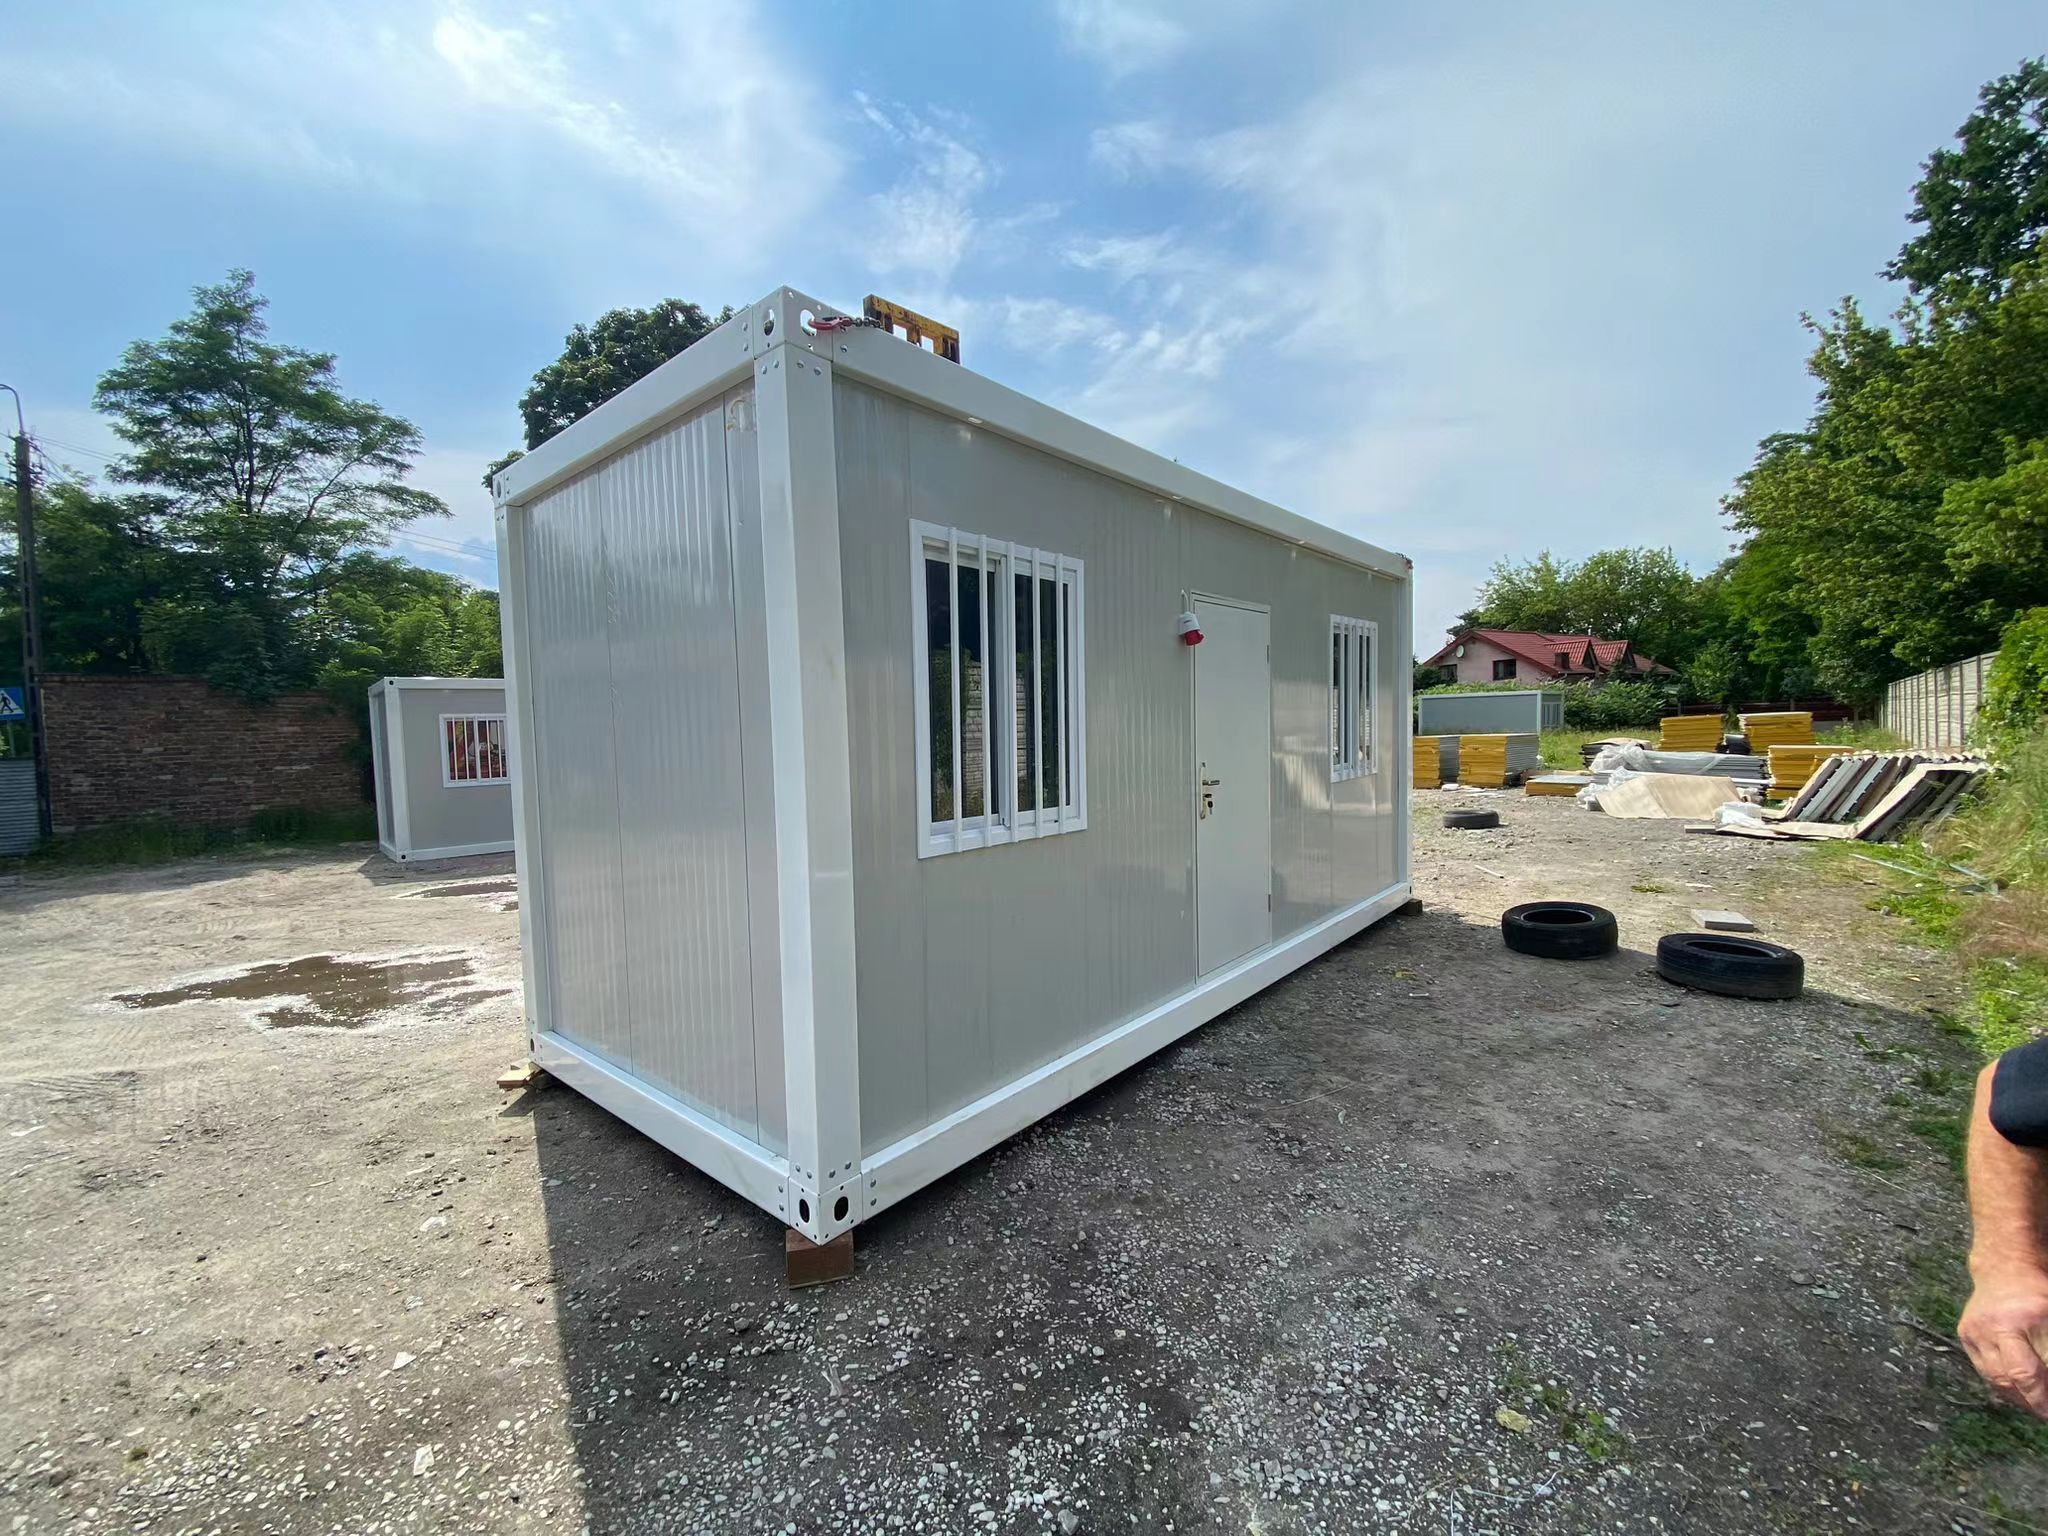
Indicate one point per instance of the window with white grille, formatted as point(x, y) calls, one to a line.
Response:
point(998, 647)
point(473, 750)
point(1354, 693)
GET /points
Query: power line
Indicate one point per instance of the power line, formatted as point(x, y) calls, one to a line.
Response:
point(465, 546)
point(431, 541)
point(90, 453)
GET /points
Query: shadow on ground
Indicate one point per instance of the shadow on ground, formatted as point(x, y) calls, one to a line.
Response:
point(1289, 1271)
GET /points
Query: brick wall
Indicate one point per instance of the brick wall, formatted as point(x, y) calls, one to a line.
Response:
point(127, 747)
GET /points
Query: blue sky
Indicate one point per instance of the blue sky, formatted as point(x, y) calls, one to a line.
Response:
point(1470, 281)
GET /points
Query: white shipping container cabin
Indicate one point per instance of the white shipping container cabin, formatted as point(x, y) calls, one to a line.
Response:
point(1489, 713)
point(441, 748)
point(871, 804)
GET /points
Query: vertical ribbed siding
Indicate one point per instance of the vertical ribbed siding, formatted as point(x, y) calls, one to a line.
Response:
point(675, 685)
point(380, 753)
point(977, 967)
point(1141, 755)
point(642, 800)
point(18, 829)
point(568, 606)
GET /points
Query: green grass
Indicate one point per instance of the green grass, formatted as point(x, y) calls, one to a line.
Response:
point(1860, 1151)
point(1588, 1428)
point(1988, 1432)
point(1941, 1284)
point(2006, 995)
point(1980, 892)
point(1947, 1133)
point(1561, 748)
point(156, 840)
point(1863, 735)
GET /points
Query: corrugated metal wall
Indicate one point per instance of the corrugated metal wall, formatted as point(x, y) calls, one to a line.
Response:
point(1937, 708)
point(380, 775)
point(977, 967)
point(1481, 714)
point(635, 690)
point(17, 805)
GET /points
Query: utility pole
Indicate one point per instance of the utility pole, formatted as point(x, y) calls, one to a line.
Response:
point(31, 614)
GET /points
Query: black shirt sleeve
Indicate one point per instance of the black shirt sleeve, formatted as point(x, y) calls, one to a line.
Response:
point(2019, 1095)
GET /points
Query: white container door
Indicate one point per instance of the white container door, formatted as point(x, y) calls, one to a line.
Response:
point(1233, 784)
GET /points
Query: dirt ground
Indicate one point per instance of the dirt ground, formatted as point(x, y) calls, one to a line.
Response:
point(279, 1256)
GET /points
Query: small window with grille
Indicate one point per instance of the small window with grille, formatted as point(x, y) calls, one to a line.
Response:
point(473, 751)
point(1354, 693)
point(998, 639)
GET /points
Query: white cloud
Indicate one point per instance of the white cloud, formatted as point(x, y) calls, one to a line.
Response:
point(1053, 325)
point(1133, 148)
point(520, 120)
point(465, 541)
point(688, 101)
point(1445, 318)
point(925, 223)
point(1134, 258)
point(1123, 36)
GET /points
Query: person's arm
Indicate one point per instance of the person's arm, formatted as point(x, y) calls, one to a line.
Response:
point(2004, 1328)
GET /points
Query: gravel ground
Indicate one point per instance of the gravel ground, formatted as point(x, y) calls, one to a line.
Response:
point(1430, 1237)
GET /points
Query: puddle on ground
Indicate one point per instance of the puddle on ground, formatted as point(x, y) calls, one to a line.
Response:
point(504, 886)
point(333, 991)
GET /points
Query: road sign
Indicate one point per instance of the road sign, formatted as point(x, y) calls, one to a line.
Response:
point(10, 705)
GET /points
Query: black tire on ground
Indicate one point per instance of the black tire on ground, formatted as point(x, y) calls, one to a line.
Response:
point(1471, 821)
point(1560, 930)
point(1730, 965)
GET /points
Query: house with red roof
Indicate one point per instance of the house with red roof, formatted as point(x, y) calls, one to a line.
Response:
point(1482, 655)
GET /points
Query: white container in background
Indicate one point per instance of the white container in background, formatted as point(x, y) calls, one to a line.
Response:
point(442, 753)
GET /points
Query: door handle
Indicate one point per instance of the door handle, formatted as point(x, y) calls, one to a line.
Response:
point(1210, 783)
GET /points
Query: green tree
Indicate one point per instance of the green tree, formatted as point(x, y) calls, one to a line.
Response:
point(1983, 205)
point(598, 361)
point(1906, 522)
point(100, 566)
point(1644, 596)
point(252, 462)
point(1754, 611)
point(1527, 594)
point(386, 618)
point(2016, 692)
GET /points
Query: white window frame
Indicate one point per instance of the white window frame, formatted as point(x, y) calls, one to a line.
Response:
point(494, 734)
point(1354, 753)
point(1057, 808)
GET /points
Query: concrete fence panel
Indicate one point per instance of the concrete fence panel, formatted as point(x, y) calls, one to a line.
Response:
point(1937, 709)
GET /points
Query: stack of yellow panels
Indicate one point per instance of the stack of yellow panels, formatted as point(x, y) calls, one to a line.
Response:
point(1557, 783)
point(1689, 733)
point(1786, 728)
point(1429, 762)
point(1483, 761)
point(1793, 763)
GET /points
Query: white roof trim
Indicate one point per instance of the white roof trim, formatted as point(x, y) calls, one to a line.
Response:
point(437, 682)
point(726, 357)
point(701, 372)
